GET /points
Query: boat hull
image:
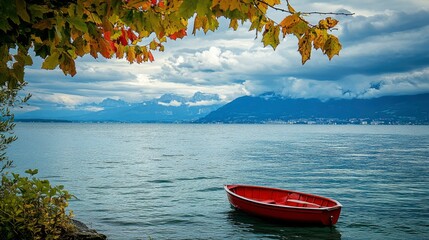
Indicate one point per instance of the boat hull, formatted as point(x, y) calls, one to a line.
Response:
point(284, 205)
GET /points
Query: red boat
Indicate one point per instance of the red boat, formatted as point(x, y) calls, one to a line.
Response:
point(284, 205)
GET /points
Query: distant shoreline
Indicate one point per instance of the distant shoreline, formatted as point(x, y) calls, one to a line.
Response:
point(339, 122)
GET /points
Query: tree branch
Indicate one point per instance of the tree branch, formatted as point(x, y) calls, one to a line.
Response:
point(305, 13)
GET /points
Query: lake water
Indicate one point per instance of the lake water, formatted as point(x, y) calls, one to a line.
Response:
point(165, 181)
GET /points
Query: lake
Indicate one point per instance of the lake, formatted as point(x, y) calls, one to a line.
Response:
point(165, 181)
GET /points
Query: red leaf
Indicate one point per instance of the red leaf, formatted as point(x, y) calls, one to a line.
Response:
point(151, 56)
point(107, 35)
point(131, 35)
point(173, 36)
point(112, 46)
point(179, 34)
point(123, 38)
point(153, 2)
point(183, 33)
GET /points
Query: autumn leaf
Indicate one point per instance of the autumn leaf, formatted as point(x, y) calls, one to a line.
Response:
point(93, 48)
point(233, 24)
point(150, 56)
point(323, 24)
point(234, 4)
point(106, 49)
point(290, 8)
point(140, 4)
point(123, 39)
point(44, 24)
point(331, 22)
point(107, 35)
point(81, 47)
point(67, 64)
point(320, 37)
point(288, 22)
point(161, 4)
point(271, 37)
point(153, 45)
point(52, 61)
point(272, 2)
point(120, 50)
point(179, 34)
point(131, 54)
point(305, 47)
point(332, 47)
point(131, 35)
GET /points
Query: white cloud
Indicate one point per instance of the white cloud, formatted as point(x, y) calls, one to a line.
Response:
point(204, 103)
point(93, 109)
point(173, 103)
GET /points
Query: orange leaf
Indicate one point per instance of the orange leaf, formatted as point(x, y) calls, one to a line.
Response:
point(131, 55)
point(105, 48)
point(120, 51)
point(173, 36)
point(139, 58)
point(331, 22)
point(161, 4)
point(107, 35)
point(144, 5)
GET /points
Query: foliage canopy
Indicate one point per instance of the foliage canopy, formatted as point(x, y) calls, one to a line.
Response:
point(60, 31)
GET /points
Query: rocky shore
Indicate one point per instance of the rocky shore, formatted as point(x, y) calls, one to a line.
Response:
point(83, 232)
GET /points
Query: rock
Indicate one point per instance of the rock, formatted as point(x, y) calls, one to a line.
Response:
point(83, 233)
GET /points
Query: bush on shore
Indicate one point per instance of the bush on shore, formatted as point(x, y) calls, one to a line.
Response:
point(31, 208)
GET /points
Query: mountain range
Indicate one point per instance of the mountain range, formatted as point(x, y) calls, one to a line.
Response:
point(265, 108)
point(269, 107)
point(168, 108)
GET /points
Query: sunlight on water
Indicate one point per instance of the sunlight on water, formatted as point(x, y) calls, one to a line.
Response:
point(135, 181)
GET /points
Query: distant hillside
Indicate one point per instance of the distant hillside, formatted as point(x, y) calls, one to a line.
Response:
point(167, 108)
point(269, 107)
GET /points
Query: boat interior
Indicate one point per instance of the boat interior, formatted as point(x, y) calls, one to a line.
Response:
point(282, 197)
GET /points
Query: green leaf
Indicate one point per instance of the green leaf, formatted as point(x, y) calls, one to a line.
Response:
point(32, 171)
point(271, 37)
point(28, 60)
point(52, 61)
point(188, 8)
point(204, 8)
point(37, 11)
point(4, 25)
point(78, 23)
point(21, 9)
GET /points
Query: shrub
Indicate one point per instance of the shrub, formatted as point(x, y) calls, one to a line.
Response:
point(31, 208)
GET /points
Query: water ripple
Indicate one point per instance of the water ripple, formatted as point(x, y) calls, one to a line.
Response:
point(135, 181)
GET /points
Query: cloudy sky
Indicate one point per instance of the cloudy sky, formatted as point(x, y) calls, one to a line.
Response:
point(385, 52)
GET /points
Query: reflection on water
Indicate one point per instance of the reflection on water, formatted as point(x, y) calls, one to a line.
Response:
point(266, 229)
